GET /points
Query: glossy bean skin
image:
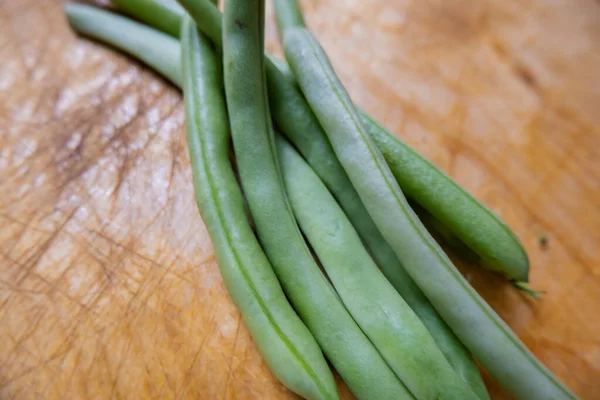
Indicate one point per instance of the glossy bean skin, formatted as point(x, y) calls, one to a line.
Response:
point(309, 138)
point(284, 341)
point(380, 311)
point(162, 53)
point(346, 346)
point(470, 317)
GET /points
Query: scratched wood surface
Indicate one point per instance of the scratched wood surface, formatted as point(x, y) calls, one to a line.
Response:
point(108, 281)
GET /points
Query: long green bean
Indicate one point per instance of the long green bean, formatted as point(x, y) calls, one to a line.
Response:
point(346, 346)
point(284, 341)
point(474, 322)
point(161, 53)
point(307, 135)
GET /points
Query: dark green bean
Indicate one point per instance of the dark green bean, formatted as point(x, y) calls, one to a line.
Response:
point(346, 346)
point(474, 322)
point(466, 217)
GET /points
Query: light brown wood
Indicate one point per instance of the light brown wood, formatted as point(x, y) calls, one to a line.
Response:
point(108, 282)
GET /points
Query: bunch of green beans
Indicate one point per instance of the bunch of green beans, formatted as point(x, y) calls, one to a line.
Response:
point(298, 123)
point(396, 342)
point(474, 322)
point(461, 213)
point(286, 344)
point(346, 345)
point(377, 307)
point(253, 137)
point(453, 350)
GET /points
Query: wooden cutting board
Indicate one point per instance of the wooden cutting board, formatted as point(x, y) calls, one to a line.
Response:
point(108, 281)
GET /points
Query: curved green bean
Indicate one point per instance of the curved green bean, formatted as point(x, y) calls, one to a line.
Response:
point(474, 322)
point(346, 346)
point(161, 53)
point(307, 135)
point(284, 341)
point(379, 310)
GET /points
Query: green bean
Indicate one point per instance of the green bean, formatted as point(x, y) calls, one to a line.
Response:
point(467, 218)
point(474, 322)
point(284, 341)
point(307, 135)
point(161, 53)
point(164, 15)
point(376, 306)
point(343, 342)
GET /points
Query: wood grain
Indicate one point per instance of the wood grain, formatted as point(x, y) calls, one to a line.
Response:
point(108, 282)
